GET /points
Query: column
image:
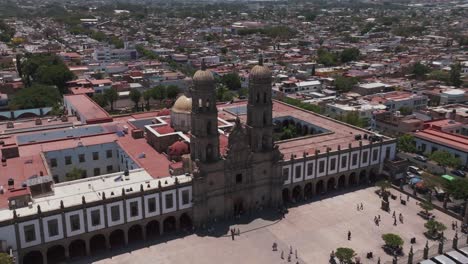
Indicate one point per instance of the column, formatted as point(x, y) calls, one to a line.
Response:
point(88, 248)
point(126, 237)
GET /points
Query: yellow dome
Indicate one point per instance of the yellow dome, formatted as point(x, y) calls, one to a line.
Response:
point(260, 72)
point(183, 104)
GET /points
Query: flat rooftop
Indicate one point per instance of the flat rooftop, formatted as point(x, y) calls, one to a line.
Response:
point(455, 141)
point(88, 108)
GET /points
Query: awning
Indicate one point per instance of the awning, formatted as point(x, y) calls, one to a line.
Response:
point(415, 180)
point(448, 177)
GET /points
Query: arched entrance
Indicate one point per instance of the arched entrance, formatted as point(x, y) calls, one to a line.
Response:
point(33, 257)
point(117, 238)
point(352, 179)
point(77, 248)
point(238, 206)
point(319, 187)
point(297, 191)
point(341, 182)
point(97, 243)
point(185, 222)
point(363, 177)
point(169, 224)
point(152, 229)
point(285, 195)
point(331, 184)
point(135, 233)
point(308, 190)
point(55, 254)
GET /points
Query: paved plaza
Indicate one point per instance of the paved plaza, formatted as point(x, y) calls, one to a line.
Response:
point(313, 229)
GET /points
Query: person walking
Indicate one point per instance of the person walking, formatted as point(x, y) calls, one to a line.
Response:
point(349, 235)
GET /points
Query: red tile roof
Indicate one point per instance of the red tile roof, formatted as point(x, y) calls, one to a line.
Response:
point(454, 141)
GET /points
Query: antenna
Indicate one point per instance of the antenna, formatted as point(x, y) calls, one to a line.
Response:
point(203, 65)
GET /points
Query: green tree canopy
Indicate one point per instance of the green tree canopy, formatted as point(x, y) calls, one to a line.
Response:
point(111, 96)
point(392, 240)
point(5, 259)
point(353, 119)
point(74, 174)
point(419, 70)
point(135, 96)
point(36, 96)
point(147, 96)
point(405, 110)
point(445, 159)
point(434, 227)
point(344, 84)
point(158, 92)
point(406, 143)
point(426, 206)
point(327, 58)
point(455, 71)
point(172, 91)
point(439, 75)
point(300, 104)
point(457, 188)
point(100, 99)
point(350, 54)
point(345, 255)
point(231, 80)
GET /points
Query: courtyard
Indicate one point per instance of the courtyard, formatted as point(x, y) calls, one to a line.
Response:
point(314, 229)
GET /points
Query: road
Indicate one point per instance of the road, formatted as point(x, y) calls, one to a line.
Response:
point(429, 165)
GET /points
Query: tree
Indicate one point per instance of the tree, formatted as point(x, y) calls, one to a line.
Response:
point(350, 54)
point(147, 96)
point(344, 84)
point(158, 92)
point(35, 96)
point(406, 110)
point(406, 143)
point(419, 70)
point(6, 259)
point(220, 91)
point(135, 96)
point(327, 58)
point(111, 96)
point(426, 206)
point(384, 185)
point(243, 92)
point(353, 119)
point(100, 99)
point(434, 228)
point(74, 174)
point(231, 80)
point(392, 240)
point(345, 255)
point(172, 91)
point(445, 159)
point(455, 75)
point(439, 75)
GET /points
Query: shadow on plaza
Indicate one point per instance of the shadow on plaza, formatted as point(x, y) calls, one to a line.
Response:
point(218, 228)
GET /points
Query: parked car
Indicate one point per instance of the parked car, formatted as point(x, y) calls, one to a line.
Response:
point(410, 175)
point(458, 173)
point(415, 170)
point(420, 158)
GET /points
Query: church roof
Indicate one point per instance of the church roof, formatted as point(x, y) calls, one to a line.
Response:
point(260, 72)
point(183, 104)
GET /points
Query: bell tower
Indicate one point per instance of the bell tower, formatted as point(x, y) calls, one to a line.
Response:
point(204, 143)
point(259, 109)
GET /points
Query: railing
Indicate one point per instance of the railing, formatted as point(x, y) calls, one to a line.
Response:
point(433, 251)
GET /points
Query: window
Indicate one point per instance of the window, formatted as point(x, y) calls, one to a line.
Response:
point(364, 156)
point(152, 205)
point(95, 155)
point(387, 152)
point(285, 173)
point(97, 171)
point(298, 173)
point(375, 154)
point(68, 160)
point(74, 222)
point(333, 164)
point(53, 163)
point(344, 160)
point(185, 196)
point(109, 153)
point(133, 208)
point(169, 201)
point(29, 233)
point(52, 225)
point(115, 213)
point(81, 158)
point(239, 178)
point(354, 159)
point(310, 169)
point(95, 217)
point(109, 168)
point(84, 173)
point(321, 166)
